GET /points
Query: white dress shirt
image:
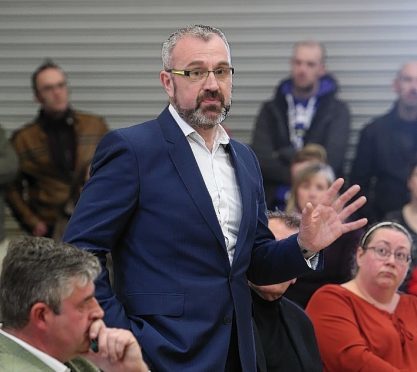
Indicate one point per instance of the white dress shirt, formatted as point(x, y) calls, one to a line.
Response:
point(220, 179)
point(51, 362)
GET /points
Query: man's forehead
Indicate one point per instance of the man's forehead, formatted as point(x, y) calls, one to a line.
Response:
point(308, 51)
point(50, 74)
point(409, 69)
point(191, 48)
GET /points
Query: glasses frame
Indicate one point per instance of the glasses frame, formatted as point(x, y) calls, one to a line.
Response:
point(386, 257)
point(49, 88)
point(187, 73)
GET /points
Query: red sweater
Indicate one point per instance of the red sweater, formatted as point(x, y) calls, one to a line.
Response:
point(354, 335)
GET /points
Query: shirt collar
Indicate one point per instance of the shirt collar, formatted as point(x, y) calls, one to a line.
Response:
point(222, 137)
point(51, 362)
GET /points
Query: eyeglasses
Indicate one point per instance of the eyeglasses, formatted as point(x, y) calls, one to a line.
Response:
point(221, 73)
point(384, 253)
point(51, 87)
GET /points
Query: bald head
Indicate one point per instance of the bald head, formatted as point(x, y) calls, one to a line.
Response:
point(405, 85)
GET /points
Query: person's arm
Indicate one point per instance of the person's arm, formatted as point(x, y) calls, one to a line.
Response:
point(8, 160)
point(275, 163)
point(117, 351)
point(103, 211)
point(341, 342)
point(320, 226)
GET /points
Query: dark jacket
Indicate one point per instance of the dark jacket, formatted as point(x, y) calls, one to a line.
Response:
point(386, 148)
point(271, 141)
point(286, 318)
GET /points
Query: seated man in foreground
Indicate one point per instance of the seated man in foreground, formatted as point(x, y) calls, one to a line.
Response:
point(286, 336)
point(50, 314)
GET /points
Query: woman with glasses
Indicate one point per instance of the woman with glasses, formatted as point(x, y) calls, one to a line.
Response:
point(366, 324)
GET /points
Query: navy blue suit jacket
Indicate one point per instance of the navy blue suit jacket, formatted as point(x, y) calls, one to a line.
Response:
point(174, 287)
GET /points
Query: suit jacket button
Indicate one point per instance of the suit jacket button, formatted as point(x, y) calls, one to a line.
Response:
point(227, 320)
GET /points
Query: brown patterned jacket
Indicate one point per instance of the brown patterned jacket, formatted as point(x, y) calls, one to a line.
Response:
point(40, 189)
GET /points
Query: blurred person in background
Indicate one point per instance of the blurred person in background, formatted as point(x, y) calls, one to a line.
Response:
point(386, 149)
point(310, 154)
point(305, 110)
point(53, 149)
point(407, 217)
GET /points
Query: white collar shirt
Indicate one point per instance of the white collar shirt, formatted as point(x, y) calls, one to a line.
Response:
point(219, 177)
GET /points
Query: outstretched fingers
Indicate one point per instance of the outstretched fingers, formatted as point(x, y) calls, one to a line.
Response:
point(354, 225)
point(331, 194)
point(352, 208)
point(341, 201)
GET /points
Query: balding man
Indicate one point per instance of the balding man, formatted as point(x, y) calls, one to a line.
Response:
point(386, 149)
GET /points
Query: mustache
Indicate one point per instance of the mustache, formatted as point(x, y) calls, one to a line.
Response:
point(210, 95)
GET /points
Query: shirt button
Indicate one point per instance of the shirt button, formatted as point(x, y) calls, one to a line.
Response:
point(227, 320)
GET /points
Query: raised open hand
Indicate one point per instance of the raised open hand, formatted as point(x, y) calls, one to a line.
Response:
point(323, 224)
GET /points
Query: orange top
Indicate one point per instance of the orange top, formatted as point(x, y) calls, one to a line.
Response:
point(354, 335)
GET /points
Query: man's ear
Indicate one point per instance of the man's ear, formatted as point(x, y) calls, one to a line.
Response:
point(167, 83)
point(39, 315)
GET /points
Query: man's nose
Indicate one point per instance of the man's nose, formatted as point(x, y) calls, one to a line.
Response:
point(96, 312)
point(211, 82)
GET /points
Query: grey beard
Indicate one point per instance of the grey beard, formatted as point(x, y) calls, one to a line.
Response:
point(197, 119)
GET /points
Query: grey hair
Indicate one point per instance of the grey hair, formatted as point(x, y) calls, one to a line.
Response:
point(198, 31)
point(368, 234)
point(41, 270)
point(312, 43)
point(290, 220)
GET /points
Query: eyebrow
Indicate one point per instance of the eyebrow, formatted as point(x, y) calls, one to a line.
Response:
point(198, 64)
point(389, 244)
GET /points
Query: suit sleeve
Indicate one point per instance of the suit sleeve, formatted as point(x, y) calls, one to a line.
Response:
point(103, 211)
point(342, 346)
point(273, 261)
point(275, 163)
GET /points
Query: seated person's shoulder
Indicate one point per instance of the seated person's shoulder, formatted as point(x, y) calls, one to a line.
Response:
point(82, 365)
point(10, 362)
point(89, 118)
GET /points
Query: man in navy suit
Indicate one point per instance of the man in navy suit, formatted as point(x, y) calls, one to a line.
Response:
point(181, 208)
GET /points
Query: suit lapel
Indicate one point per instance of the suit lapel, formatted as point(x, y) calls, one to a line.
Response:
point(187, 167)
point(245, 198)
